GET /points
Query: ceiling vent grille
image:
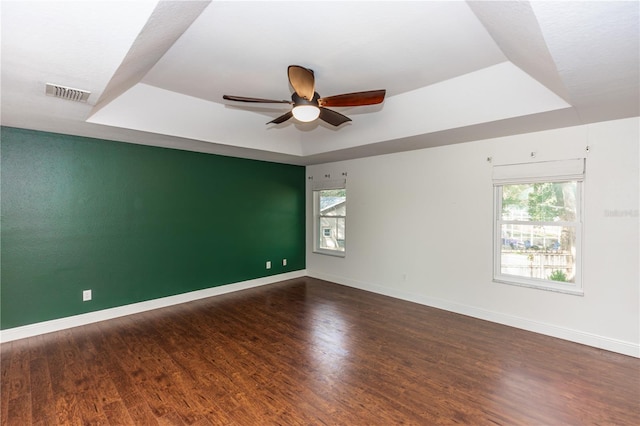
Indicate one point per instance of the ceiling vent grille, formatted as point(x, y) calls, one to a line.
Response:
point(68, 93)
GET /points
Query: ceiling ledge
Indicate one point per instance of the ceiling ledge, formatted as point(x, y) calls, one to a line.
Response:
point(512, 126)
point(168, 21)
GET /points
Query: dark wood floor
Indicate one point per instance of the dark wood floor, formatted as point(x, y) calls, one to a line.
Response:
point(309, 352)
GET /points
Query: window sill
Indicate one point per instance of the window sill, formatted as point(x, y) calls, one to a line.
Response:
point(333, 253)
point(540, 286)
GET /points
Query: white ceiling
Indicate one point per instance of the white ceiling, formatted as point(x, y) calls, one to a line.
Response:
point(454, 71)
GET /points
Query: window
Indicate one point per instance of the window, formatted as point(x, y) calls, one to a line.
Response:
point(330, 214)
point(538, 225)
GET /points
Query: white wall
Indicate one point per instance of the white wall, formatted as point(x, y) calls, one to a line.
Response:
point(419, 227)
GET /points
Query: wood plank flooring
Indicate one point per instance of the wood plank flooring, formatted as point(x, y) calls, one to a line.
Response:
point(310, 352)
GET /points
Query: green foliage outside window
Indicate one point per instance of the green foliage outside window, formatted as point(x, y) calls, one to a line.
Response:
point(544, 202)
point(558, 276)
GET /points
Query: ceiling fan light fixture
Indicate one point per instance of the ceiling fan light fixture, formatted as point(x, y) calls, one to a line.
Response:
point(306, 113)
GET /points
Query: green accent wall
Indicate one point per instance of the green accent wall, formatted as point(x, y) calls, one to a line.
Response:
point(135, 223)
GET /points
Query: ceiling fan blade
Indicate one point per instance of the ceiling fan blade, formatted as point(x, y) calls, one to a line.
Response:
point(370, 97)
point(302, 81)
point(282, 118)
point(332, 117)
point(255, 100)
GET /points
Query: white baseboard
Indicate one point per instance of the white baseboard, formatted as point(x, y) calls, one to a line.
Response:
point(601, 342)
point(134, 308)
point(613, 345)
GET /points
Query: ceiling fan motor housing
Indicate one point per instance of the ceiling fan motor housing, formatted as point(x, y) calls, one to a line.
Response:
point(299, 100)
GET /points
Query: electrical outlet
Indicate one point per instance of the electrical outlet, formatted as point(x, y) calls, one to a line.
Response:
point(86, 295)
point(284, 262)
point(268, 264)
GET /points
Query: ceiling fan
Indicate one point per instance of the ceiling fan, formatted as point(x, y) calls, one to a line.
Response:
point(307, 103)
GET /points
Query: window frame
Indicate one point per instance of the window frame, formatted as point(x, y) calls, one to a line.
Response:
point(576, 287)
point(317, 219)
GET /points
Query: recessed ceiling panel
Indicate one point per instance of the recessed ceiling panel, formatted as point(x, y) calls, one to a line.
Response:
point(244, 48)
point(596, 46)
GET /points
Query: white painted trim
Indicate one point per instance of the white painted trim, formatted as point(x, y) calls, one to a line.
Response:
point(577, 336)
point(134, 308)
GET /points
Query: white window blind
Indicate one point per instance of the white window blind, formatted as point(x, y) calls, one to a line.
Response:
point(561, 170)
point(329, 184)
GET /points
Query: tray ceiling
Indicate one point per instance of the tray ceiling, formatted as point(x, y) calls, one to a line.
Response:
point(454, 71)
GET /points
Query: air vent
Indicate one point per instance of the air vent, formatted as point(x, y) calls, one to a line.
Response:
point(67, 93)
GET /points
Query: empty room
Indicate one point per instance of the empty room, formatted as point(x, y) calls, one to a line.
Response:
point(320, 213)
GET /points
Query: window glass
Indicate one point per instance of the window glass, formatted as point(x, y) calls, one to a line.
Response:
point(538, 234)
point(547, 201)
point(330, 220)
